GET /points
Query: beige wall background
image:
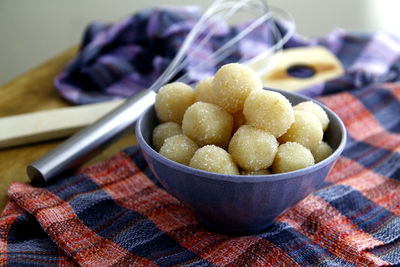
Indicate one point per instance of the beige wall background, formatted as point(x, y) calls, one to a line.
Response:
point(33, 31)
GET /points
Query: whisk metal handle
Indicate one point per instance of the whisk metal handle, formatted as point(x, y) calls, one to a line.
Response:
point(89, 141)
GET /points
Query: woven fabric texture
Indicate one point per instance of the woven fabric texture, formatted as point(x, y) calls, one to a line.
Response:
point(115, 212)
point(118, 60)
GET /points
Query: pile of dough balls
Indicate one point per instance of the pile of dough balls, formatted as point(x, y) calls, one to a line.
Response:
point(230, 125)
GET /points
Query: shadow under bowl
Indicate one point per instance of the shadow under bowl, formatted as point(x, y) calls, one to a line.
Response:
point(239, 204)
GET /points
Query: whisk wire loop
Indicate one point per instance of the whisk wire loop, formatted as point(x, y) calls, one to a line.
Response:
point(199, 36)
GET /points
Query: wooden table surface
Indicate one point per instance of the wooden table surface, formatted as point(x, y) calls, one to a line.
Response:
point(34, 91)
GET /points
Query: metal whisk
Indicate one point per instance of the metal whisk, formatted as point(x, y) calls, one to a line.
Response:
point(83, 145)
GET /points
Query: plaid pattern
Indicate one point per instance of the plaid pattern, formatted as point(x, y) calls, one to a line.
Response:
point(118, 60)
point(116, 213)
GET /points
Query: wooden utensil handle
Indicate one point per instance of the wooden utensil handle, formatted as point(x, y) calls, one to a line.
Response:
point(50, 124)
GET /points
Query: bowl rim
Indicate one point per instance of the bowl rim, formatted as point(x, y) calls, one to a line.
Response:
point(247, 178)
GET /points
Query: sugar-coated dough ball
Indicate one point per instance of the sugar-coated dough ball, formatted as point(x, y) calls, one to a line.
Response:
point(260, 172)
point(202, 91)
point(172, 100)
point(305, 130)
point(292, 156)
point(214, 159)
point(232, 84)
point(207, 124)
point(315, 109)
point(179, 148)
point(269, 110)
point(163, 131)
point(253, 149)
point(321, 152)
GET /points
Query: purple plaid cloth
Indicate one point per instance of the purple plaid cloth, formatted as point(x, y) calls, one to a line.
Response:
point(117, 60)
point(366, 58)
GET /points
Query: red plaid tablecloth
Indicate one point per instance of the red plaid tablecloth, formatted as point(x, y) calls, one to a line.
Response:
point(115, 213)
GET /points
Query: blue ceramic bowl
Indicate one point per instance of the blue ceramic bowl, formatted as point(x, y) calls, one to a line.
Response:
point(236, 203)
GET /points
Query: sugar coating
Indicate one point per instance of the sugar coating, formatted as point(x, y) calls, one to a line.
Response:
point(172, 100)
point(305, 130)
point(207, 124)
point(163, 131)
point(232, 84)
point(202, 91)
point(321, 152)
point(179, 148)
point(260, 172)
point(268, 110)
point(292, 156)
point(253, 149)
point(315, 109)
point(214, 159)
